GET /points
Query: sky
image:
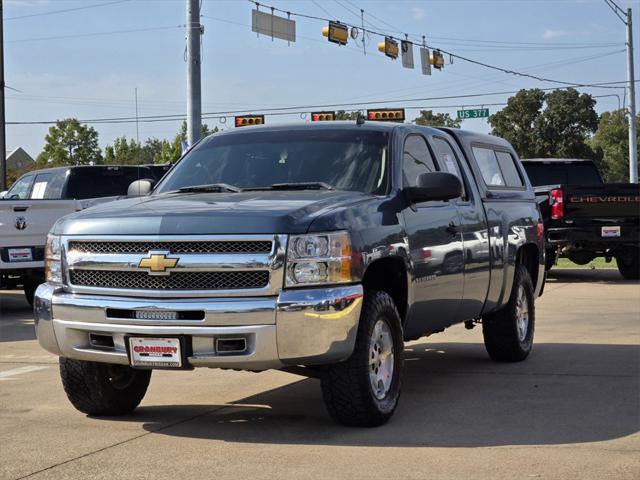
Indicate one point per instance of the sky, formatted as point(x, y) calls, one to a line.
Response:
point(81, 64)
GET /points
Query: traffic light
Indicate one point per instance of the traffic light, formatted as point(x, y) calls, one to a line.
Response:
point(437, 59)
point(386, 114)
point(247, 120)
point(323, 116)
point(389, 47)
point(336, 33)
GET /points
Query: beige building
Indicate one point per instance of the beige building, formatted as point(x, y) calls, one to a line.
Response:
point(18, 160)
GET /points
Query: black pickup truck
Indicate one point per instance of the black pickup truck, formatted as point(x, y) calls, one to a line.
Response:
point(315, 248)
point(584, 217)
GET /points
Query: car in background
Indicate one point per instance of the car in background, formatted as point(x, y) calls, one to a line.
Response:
point(39, 198)
point(584, 217)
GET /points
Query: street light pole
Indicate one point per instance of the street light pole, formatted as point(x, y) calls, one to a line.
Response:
point(194, 101)
point(633, 137)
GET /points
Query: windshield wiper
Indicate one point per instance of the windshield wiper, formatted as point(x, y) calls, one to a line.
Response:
point(295, 186)
point(211, 187)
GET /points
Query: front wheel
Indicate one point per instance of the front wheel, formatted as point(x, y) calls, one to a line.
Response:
point(508, 333)
point(363, 391)
point(629, 263)
point(102, 388)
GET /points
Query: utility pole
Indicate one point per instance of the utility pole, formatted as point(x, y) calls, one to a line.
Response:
point(3, 143)
point(194, 101)
point(633, 137)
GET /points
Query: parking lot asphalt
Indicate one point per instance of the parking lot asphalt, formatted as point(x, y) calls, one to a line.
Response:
point(572, 410)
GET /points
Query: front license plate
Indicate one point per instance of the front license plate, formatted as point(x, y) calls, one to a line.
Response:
point(20, 255)
point(608, 232)
point(155, 352)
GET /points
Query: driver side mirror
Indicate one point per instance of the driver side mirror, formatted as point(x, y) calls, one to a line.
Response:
point(140, 188)
point(434, 186)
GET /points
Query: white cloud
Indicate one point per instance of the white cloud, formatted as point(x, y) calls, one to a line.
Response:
point(548, 33)
point(418, 13)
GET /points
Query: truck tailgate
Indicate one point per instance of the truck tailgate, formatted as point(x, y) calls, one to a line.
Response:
point(27, 222)
point(611, 200)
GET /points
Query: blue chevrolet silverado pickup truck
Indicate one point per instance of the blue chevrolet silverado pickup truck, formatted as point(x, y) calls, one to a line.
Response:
point(315, 248)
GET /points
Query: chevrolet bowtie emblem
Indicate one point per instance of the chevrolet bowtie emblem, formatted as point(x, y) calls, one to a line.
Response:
point(158, 263)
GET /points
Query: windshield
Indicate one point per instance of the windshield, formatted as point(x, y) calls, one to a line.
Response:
point(351, 159)
point(563, 174)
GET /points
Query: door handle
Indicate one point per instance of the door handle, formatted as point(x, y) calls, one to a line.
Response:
point(21, 208)
point(453, 229)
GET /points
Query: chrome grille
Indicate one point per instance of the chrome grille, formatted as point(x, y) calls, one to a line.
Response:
point(226, 246)
point(132, 280)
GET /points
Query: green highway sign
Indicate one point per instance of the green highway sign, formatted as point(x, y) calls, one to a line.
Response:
point(475, 113)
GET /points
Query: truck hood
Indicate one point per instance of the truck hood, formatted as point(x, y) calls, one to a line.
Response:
point(208, 213)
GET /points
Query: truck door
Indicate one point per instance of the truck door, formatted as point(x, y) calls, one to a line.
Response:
point(475, 234)
point(435, 243)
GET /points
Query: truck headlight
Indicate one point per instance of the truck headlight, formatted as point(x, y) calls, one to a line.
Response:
point(53, 260)
point(318, 259)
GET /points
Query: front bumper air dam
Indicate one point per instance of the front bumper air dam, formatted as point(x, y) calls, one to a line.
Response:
point(299, 327)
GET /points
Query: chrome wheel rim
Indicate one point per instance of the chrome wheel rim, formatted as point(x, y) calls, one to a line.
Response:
point(522, 314)
point(381, 359)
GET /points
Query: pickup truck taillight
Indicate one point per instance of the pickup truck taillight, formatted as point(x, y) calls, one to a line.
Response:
point(556, 199)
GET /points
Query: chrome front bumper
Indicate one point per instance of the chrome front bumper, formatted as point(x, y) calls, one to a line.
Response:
point(298, 327)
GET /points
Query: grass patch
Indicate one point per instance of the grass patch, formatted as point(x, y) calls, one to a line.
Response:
point(597, 263)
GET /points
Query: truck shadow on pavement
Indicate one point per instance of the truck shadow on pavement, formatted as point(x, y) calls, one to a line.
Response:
point(587, 275)
point(453, 396)
point(16, 317)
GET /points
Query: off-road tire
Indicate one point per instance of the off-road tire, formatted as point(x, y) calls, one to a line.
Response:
point(346, 387)
point(629, 263)
point(500, 329)
point(103, 389)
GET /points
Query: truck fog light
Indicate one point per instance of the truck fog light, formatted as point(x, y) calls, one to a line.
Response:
point(311, 272)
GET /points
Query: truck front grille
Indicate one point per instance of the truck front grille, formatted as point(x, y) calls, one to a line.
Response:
point(221, 246)
point(235, 280)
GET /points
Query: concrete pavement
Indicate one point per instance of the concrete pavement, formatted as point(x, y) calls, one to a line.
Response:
point(572, 410)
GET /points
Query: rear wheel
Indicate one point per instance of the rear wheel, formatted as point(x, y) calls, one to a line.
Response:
point(508, 333)
point(629, 263)
point(103, 388)
point(29, 285)
point(364, 390)
point(550, 259)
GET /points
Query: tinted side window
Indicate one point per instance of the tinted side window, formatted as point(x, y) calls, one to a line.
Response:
point(55, 186)
point(447, 160)
point(40, 185)
point(509, 170)
point(103, 181)
point(20, 189)
point(417, 159)
point(488, 163)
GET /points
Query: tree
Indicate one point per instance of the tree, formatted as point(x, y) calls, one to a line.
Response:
point(343, 115)
point(130, 152)
point(611, 145)
point(566, 124)
point(554, 124)
point(517, 121)
point(427, 117)
point(70, 143)
point(171, 151)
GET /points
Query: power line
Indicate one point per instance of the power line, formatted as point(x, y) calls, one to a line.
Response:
point(55, 12)
point(294, 109)
point(451, 54)
point(94, 34)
